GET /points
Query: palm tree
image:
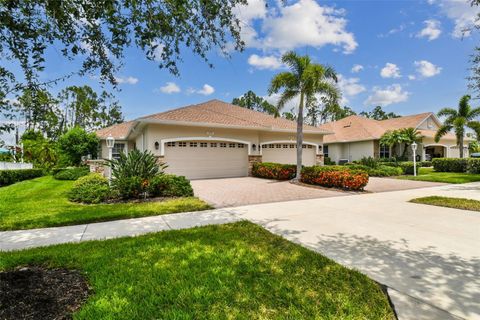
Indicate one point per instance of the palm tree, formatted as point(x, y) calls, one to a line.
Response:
point(391, 138)
point(304, 80)
point(458, 121)
point(409, 136)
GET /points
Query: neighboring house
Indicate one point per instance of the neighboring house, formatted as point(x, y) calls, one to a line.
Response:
point(356, 137)
point(214, 139)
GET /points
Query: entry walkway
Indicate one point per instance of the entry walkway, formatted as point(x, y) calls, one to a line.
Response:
point(428, 257)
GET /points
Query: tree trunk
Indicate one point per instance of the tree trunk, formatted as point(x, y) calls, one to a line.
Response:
point(299, 137)
point(460, 145)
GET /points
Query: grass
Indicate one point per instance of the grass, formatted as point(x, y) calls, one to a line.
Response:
point(428, 174)
point(457, 203)
point(232, 271)
point(43, 202)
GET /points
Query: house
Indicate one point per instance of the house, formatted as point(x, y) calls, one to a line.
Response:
point(214, 139)
point(355, 137)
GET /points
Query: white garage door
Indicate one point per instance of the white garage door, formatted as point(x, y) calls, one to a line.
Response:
point(287, 154)
point(206, 159)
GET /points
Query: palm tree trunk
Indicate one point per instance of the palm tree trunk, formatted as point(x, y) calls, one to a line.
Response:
point(299, 137)
point(460, 145)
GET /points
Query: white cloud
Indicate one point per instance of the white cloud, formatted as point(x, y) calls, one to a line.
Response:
point(427, 69)
point(170, 87)
point(411, 77)
point(461, 13)
point(265, 62)
point(304, 23)
point(400, 28)
point(390, 71)
point(386, 96)
point(206, 90)
point(126, 80)
point(255, 9)
point(431, 31)
point(350, 86)
point(356, 68)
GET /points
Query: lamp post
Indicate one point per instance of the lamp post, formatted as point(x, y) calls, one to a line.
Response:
point(414, 149)
point(110, 144)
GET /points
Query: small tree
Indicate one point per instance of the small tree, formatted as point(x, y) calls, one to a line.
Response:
point(75, 144)
point(39, 150)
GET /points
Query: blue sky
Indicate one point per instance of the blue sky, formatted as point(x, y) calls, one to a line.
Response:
point(410, 56)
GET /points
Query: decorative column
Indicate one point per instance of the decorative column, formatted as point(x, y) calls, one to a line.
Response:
point(251, 160)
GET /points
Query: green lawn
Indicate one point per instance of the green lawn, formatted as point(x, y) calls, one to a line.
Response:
point(43, 202)
point(233, 271)
point(457, 203)
point(428, 174)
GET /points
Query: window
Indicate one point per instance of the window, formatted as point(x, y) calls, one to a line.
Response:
point(213, 144)
point(231, 145)
point(118, 148)
point(278, 146)
point(292, 146)
point(384, 151)
point(170, 144)
point(223, 145)
point(325, 151)
point(182, 144)
point(241, 145)
point(203, 144)
point(309, 146)
point(304, 146)
point(285, 146)
point(193, 144)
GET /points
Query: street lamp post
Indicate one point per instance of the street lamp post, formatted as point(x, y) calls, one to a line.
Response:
point(110, 144)
point(414, 149)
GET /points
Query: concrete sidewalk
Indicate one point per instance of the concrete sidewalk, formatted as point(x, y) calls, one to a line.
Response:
point(427, 256)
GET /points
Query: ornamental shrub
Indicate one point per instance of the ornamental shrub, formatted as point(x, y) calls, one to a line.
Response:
point(473, 165)
point(328, 161)
point(71, 173)
point(335, 177)
point(130, 187)
point(369, 162)
point(169, 185)
point(425, 164)
point(92, 188)
point(380, 171)
point(407, 167)
point(450, 164)
point(270, 170)
point(11, 176)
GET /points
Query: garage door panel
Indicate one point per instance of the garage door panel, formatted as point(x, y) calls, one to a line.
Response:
point(207, 162)
point(284, 153)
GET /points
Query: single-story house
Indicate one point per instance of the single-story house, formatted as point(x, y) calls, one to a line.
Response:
point(214, 139)
point(355, 137)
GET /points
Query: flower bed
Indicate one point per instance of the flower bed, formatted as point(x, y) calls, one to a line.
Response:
point(277, 171)
point(335, 177)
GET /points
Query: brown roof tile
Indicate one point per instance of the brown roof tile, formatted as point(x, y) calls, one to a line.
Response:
point(118, 131)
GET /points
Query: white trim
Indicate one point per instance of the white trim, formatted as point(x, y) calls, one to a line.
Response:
point(163, 141)
point(316, 145)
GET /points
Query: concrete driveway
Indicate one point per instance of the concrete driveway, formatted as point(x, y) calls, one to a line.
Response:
point(231, 192)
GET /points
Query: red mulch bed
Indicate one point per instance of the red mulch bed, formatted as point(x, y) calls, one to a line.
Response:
point(39, 293)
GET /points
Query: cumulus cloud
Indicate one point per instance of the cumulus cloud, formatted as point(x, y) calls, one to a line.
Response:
point(206, 90)
point(427, 69)
point(265, 62)
point(126, 80)
point(350, 86)
point(386, 96)
point(461, 13)
point(390, 71)
point(170, 87)
point(356, 68)
point(431, 31)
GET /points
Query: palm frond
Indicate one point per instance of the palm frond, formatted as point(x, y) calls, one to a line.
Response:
point(293, 61)
point(475, 126)
point(474, 113)
point(283, 80)
point(447, 112)
point(464, 106)
point(286, 96)
point(443, 130)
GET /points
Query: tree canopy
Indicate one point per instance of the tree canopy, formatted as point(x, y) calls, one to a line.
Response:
point(252, 101)
point(379, 114)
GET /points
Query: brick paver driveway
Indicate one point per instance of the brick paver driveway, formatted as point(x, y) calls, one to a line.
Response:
point(230, 192)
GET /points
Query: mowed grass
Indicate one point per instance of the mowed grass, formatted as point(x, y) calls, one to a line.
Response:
point(43, 202)
point(232, 271)
point(457, 203)
point(428, 174)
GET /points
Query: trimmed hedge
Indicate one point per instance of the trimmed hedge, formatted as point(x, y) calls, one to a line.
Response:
point(11, 176)
point(71, 173)
point(169, 185)
point(473, 165)
point(379, 171)
point(270, 170)
point(90, 189)
point(450, 164)
point(407, 167)
point(335, 177)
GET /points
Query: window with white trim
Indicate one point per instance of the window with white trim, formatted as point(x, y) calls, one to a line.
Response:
point(170, 144)
point(118, 148)
point(278, 146)
point(384, 151)
point(292, 146)
point(213, 144)
point(193, 144)
point(309, 146)
point(241, 145)
point(203, 144)
point(285, 146)
point(231, 145)
point(325, 151)
point(223, 145)
point(182, 144)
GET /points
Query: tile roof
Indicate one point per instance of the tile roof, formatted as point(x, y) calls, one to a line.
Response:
point(411, 121)
point(215, 113)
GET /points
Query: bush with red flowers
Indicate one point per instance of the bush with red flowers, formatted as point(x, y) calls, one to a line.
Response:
point(270, 170)
point(335, 177)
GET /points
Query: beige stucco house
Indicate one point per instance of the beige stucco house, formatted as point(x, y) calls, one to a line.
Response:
point(214, 139)
point(355, 137)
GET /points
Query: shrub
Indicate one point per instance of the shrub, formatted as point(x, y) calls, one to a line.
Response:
point(92, 188)
point(328, 162)
point(130, 187)
point(169, 185)
point(71, 173)
point(380, 171)
point(425, 164)
point(270, 170)
point(75, 144)
point(369, 162)
point(11, 176)
point(450, 164)
point(473, 165)
point(390, 163)
point(136, 164)
point(335, 177)
point(407, 167)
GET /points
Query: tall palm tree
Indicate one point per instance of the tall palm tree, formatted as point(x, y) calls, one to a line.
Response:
point(304, 80)
point(391, 138)
point(458, 121)
point(409, 136)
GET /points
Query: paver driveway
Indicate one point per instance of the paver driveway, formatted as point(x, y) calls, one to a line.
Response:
point(231, 192)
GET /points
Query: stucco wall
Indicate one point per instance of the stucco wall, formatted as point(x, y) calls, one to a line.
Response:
point(351, 151)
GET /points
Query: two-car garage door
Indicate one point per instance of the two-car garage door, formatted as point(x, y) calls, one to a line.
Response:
point(206, 159)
